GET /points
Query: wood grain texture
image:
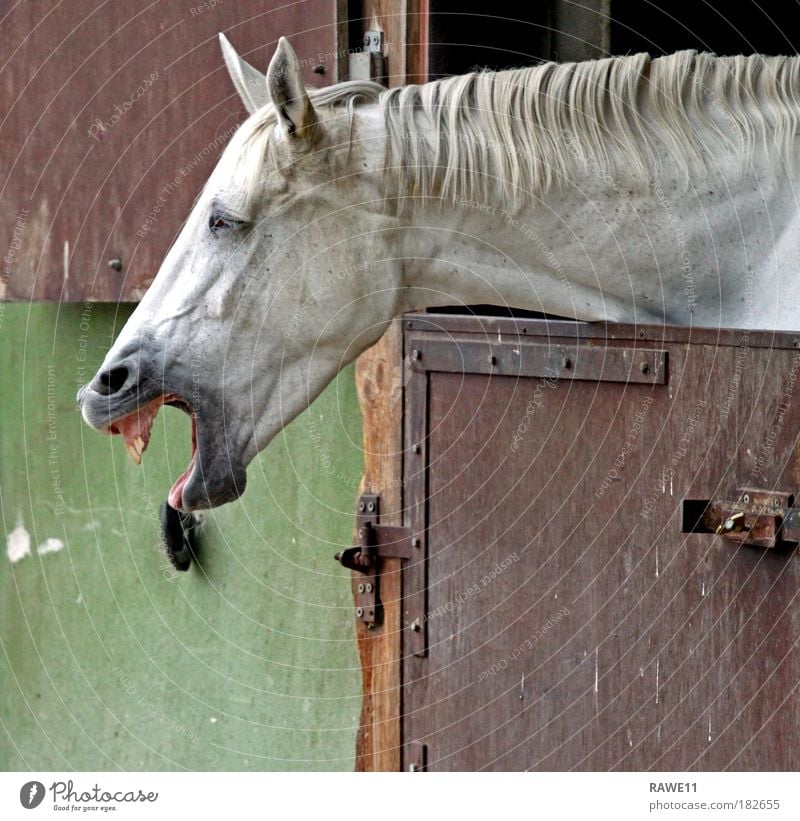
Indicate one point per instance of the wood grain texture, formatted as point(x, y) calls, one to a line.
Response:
point(417, 41)
point(379, 385)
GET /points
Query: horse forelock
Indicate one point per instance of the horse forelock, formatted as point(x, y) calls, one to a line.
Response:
point(514, 135)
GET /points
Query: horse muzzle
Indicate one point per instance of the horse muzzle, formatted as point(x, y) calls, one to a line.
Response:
point(124, 399)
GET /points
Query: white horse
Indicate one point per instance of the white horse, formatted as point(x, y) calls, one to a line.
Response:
point(625, 189)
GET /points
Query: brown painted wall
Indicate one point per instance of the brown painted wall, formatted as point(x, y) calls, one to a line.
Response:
point(117, 116)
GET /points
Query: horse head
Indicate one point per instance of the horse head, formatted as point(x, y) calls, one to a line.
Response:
point(575, 191)
point(278, 279)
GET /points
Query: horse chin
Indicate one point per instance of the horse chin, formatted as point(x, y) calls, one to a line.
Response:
point(198, 494)
point(214, 477)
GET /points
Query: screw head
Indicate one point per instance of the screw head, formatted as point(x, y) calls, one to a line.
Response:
point(371, 506)
point(115, 264)
point(415, 541)
point(359, 611)
point(368, 587)
point(644, 367)
point(361, 588)
point(361, 507)
point(416, 354)
point(416, 448)
point(416, 626)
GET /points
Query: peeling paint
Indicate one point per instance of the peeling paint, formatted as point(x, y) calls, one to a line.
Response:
point(658, 674)
point(66, 263)
point(18, 544)
point(51, 545)
point(596, 680)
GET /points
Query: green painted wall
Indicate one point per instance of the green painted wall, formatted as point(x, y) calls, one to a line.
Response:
point(112, 660)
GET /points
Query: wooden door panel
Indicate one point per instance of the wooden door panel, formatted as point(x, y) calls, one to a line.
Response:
point(571, 624)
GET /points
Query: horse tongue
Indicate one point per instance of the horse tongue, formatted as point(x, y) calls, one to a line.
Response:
point(175, 498)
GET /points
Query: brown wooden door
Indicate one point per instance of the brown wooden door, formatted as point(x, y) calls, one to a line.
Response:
point(116, 114)
point(558, 618)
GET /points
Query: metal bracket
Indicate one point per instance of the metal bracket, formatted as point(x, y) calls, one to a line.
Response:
point(368, 64)
point(759, 518)
point(535, 359)
point(375, 542)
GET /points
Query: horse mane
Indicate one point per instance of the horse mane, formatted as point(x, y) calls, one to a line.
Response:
point(516, 134)
point(521, 132)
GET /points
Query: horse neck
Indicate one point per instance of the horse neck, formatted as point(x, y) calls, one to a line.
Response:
point(477, 252)
point(476, 247)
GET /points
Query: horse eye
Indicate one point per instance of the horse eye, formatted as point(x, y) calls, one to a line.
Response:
point(218, 222)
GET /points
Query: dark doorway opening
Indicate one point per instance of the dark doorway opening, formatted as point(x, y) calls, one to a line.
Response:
point(744, 27)
point(465, 35)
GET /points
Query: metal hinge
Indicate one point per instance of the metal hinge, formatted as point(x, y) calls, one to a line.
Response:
point(375, 542)
point(759, 518)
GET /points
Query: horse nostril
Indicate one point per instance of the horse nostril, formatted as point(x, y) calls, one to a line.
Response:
point(111, 381)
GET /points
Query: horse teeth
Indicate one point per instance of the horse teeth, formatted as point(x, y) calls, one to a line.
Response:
point(136, 449)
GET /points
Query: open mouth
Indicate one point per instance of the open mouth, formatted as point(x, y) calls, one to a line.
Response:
point(135, 429)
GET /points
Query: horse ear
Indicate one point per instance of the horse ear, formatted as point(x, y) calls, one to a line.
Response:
point(289, 95)
point(248, 81)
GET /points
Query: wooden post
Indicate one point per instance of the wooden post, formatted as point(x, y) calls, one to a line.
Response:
point(379, 384)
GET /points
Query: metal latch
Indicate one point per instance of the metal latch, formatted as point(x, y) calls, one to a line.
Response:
point(760, 518)
point(375, 542)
